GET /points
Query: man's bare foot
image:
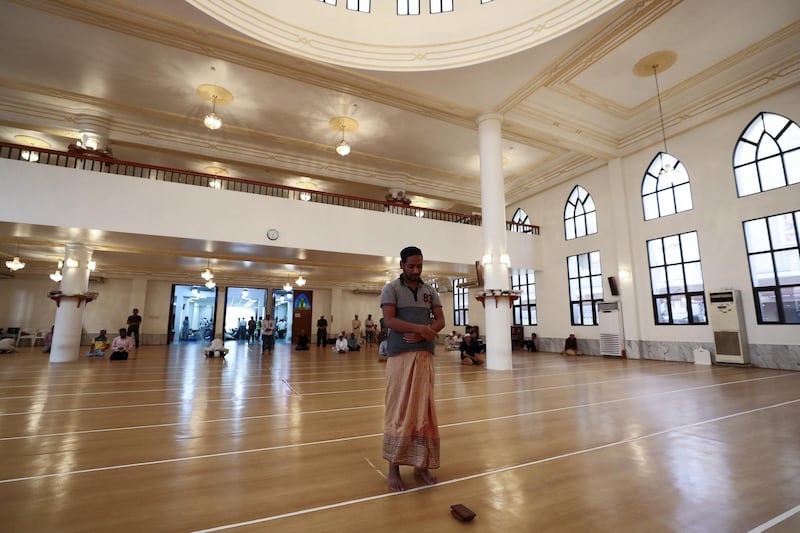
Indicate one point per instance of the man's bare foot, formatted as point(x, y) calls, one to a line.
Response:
point(395, 482)
point(425, 475)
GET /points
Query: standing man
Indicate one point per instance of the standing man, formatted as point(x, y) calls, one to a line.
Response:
point(357, 327)
point(411, 429)
point(251, 330)
point(134, 321)
point(322, 331)
point(267, 334)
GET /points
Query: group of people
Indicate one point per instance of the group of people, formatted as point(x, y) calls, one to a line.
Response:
point(344, 344)
point(370, 332)
point(126, 341)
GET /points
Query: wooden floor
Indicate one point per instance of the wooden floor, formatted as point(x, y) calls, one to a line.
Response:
point(171, 441)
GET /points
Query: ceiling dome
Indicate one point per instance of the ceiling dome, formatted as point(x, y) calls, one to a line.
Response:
point(472, 33)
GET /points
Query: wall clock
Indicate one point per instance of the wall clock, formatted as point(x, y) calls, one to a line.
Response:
point(272, 234)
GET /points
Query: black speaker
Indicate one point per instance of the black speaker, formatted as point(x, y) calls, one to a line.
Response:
point(612, 284)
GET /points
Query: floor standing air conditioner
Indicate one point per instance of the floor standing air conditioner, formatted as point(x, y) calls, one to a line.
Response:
point(612, 341)
point(727, 322)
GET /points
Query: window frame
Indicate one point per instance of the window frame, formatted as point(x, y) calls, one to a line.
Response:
point(671, 297)
point(740, 159)
point(595, 281)
point(523, 309)
point(776, 289)
point(584, 214)
point(460, 303)
point(654, 182)
point(521, 222)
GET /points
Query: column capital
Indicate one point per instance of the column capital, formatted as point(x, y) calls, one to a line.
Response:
point(489, 116)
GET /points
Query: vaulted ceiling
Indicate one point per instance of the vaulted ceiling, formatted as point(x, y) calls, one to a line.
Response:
point(130, 71)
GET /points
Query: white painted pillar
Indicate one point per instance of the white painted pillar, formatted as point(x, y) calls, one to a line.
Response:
point(66, 345)
point(495, 272)
point(219, 313)
point(337, 322)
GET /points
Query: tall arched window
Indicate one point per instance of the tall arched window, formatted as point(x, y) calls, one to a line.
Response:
point(521, 217)
point(767, 155)
point(580, 217)
point(665, 187)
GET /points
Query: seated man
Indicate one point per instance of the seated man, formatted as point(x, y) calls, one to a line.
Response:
point(7, 345)
point(302, 341)
point(217, 346)
point(454, 341)
point(99, 345)
point(533, 344)
point(571, 346)
point(341, 344)
point(352, 343)
point(383, 348)
point(121, 345)
point(471, 351)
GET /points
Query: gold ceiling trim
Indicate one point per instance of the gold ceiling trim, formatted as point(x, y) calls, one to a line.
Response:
point(472, 34)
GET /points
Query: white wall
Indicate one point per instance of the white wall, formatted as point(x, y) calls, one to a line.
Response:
point(717, 216)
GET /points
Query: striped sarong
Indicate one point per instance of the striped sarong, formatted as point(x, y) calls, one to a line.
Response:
point(411, 429)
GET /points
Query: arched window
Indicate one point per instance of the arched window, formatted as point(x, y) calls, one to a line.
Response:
point(521, 217)
point(767, 155)
point(580, 217)
point(665, 187)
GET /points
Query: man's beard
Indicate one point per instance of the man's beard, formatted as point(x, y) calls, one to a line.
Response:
point(413, 276)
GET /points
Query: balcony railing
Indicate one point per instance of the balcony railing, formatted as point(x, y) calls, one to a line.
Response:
point(97, 163)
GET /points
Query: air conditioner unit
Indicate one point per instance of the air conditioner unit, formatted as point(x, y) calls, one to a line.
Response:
point(609, 318)
point(727, 323)
point(367, 291)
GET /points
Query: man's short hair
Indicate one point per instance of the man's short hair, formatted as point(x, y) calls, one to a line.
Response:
point(409, 251)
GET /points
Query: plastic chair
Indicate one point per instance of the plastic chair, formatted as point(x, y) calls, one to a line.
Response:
point(25, 335)
point(40, 333)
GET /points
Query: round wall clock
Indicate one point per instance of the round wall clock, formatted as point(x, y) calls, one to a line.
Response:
point(272, 234)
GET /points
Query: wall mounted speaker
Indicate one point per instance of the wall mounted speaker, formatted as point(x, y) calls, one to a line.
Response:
point(612, 285)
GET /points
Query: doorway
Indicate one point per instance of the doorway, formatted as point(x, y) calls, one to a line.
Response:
point(192, 314)
point(282, 304)
point(241, 305)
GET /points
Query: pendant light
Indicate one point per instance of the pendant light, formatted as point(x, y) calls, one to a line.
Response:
point(216, 95)
point(207, 274)
point(212, 120)
point(342, 148)
point(653, 64)
point(16, 264)
point(343, 124)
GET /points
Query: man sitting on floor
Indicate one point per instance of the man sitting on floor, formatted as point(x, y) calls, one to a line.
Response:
point(471, 351)
point(120, 346)
point(99, 345)
point(302, 341)
point(352, 343)
point(571, 346)
point(341, 344)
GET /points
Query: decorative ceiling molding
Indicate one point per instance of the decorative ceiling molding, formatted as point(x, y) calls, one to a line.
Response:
point(622, 27)
point(381, 40)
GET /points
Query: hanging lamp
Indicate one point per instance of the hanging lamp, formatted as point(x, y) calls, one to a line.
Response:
point(16, 264)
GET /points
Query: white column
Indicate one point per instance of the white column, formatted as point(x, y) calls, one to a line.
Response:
point(624, 265)
point(337, 322)
point(219, 313)
point(66, 345)
point(495, 273)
